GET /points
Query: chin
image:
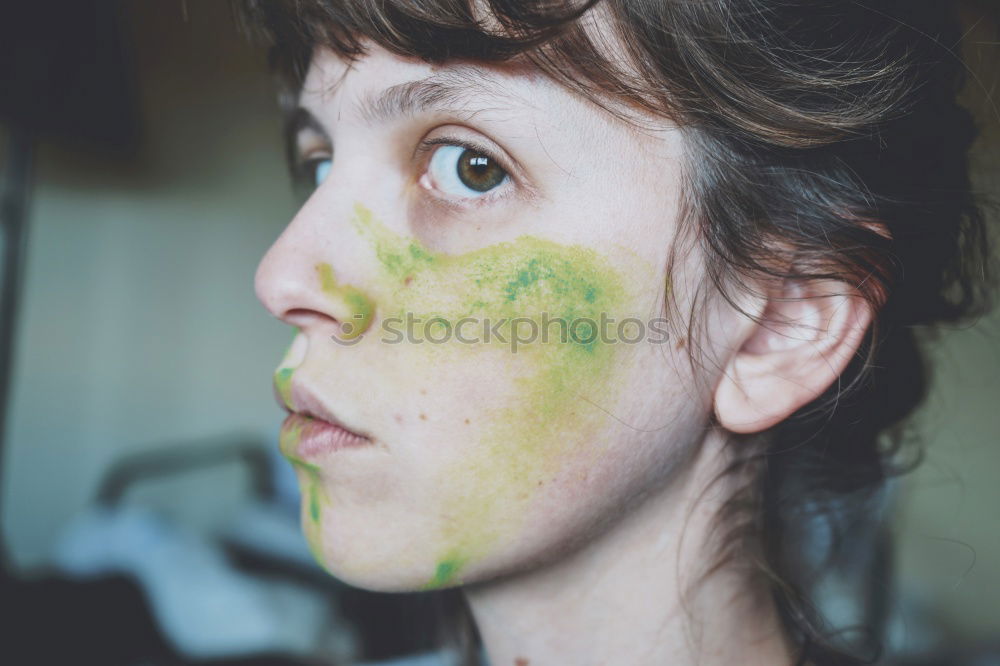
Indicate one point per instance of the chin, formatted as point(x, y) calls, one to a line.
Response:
point(378, 560)
point(403, 577)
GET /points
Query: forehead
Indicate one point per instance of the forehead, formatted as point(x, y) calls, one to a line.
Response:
point(414, 85)
point(513, 99)
point(382, 86)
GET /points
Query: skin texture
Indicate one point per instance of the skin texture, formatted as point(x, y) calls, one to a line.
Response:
point(554, 482)
point(514, 450)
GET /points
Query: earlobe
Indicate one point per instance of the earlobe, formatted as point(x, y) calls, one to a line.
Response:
point(806, 337)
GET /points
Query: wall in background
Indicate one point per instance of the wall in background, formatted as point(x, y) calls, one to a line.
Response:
point(948, 520)
point(139, 324)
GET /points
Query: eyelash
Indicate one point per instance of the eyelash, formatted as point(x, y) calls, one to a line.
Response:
point(306, 166)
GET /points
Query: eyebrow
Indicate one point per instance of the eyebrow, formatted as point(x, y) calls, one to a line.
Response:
point(455, 90)
point(460, 90)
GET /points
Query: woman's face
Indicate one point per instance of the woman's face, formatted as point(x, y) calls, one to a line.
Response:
point(487, 447)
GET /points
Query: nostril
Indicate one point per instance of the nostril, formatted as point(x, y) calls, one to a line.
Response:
point(303, 317)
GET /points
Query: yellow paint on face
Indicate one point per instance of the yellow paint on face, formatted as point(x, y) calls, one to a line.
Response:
point(282, 379)
point(283, 385)
point(311, 485)
point(542, 416)
point(357, 304)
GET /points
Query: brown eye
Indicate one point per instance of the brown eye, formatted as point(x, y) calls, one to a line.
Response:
point(464, 172)
point(479, 172)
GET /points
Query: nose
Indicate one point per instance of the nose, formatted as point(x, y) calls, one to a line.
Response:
point(311, 277)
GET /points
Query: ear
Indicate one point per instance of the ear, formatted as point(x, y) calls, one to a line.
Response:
point(805, 338)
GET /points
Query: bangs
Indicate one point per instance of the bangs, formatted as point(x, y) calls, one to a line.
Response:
point(738, 71)
point(549, 37)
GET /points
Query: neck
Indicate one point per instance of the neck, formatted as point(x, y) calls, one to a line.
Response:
point(623, 598)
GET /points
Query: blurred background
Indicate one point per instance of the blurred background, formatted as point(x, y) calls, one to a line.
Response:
point(146, 518)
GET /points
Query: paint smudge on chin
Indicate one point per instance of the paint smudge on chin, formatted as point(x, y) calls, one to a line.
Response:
point(446, 572)
point(311, 484)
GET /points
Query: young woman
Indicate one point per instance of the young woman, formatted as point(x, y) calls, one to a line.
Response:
point(598, 303)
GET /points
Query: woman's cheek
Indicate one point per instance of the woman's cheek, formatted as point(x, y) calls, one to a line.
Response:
point(540, 328)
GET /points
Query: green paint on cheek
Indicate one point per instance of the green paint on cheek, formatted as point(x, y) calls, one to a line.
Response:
point(540, 419)
point(399, 257)
point(359, 305)
point(528, 278)
point(419, 255)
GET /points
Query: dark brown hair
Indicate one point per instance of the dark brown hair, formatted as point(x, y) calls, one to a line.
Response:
point(824, 141)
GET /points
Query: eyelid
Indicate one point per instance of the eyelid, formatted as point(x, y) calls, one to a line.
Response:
point(307, 139)
point(314, 151)
point(312, 156)
point(426, 145)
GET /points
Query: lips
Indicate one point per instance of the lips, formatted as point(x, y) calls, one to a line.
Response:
point(317, 430)
point(317, 437)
